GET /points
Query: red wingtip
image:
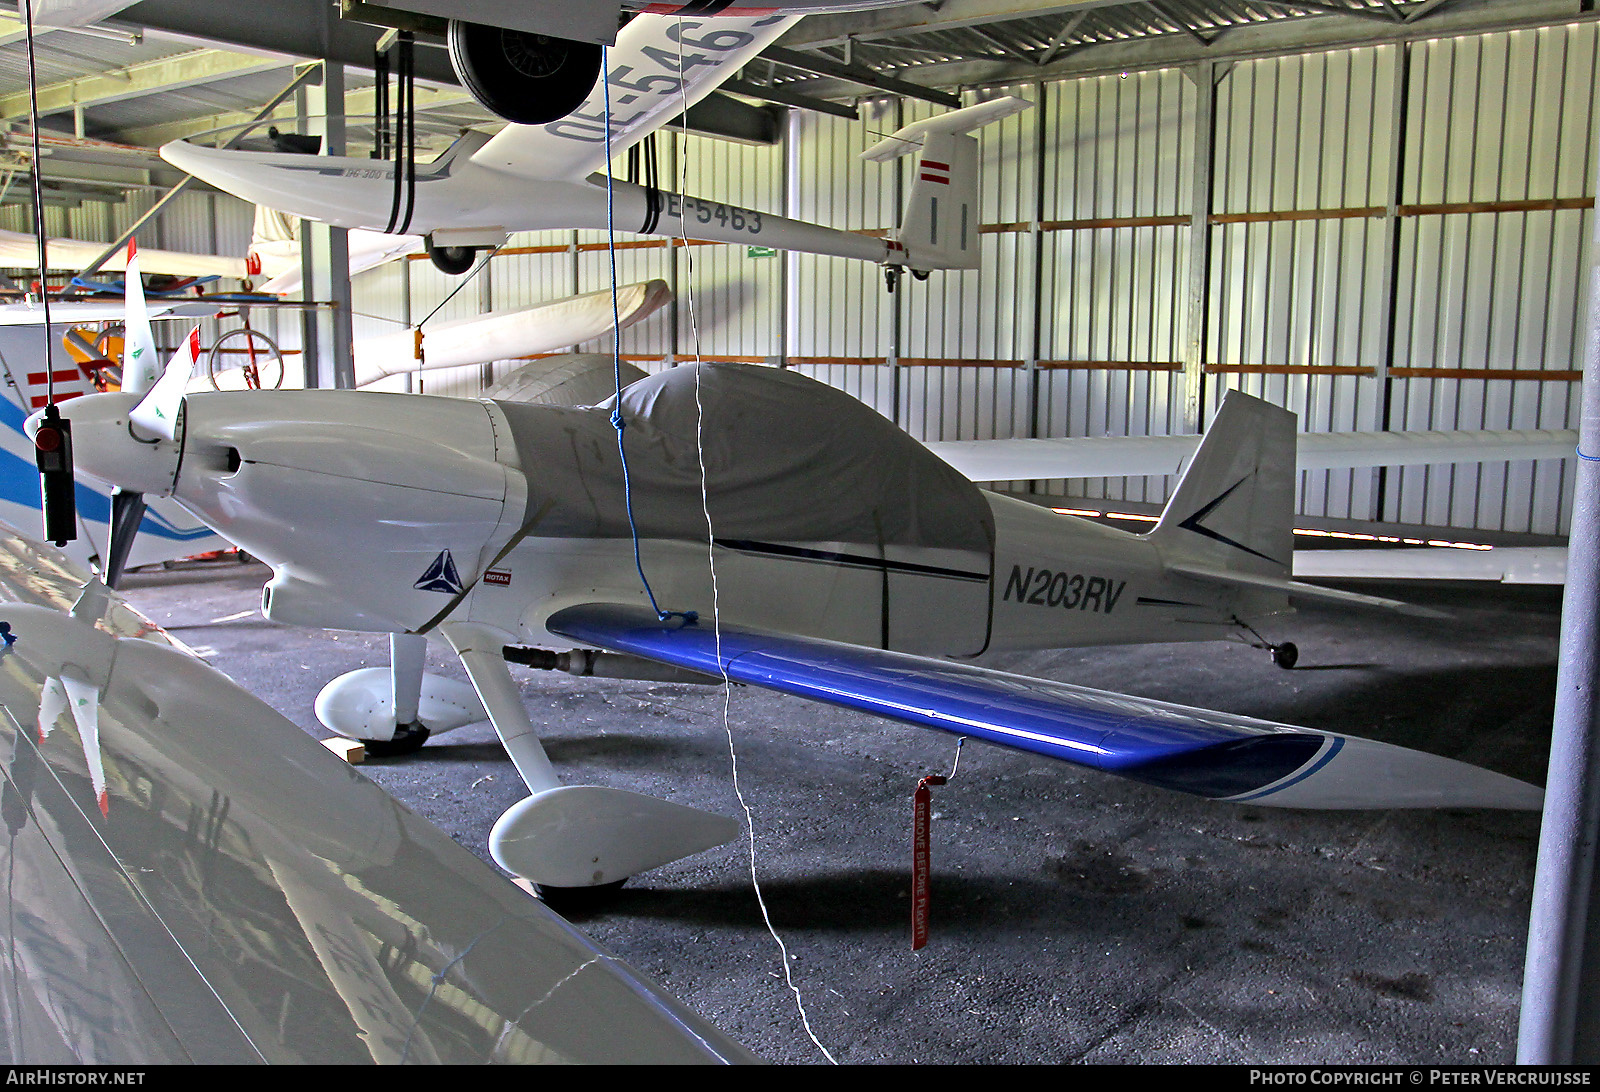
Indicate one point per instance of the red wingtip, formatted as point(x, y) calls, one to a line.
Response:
point(133, 249)
point(105, 806)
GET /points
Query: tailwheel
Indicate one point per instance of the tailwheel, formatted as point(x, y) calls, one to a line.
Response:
point(1285, 655)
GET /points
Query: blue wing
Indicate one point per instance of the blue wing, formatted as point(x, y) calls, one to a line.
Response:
point(1198, 751)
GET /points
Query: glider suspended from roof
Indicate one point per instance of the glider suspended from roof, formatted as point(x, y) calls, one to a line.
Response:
point(549, 176)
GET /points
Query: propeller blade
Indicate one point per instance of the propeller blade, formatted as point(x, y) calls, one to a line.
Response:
point(157, 411)
point(83, 698)
point(127, 512)
point(139, 367)
point(53, 702)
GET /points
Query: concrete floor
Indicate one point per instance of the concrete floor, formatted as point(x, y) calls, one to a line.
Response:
point(1076, 917)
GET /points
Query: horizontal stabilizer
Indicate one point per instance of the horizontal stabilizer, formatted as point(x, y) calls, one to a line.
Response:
point(1209, 754)
point(1298, 590)
point(910, 138)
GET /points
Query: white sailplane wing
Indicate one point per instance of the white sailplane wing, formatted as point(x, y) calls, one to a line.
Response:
point(71, 313)
point(660, 66)
point(1119, 456)
point(21, 250)
point(1500, 564)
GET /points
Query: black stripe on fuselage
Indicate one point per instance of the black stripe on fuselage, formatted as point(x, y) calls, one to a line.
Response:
point(704, 7)
point(856, 561)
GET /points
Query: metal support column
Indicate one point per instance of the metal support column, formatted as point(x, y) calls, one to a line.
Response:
point(1561, 978)
point(327, 335)
point(1393, 242)
point(899, 289)
point(1041, 152)
point(1198, 289)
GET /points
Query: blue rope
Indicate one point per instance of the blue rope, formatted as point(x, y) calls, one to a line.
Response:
point(617, 421)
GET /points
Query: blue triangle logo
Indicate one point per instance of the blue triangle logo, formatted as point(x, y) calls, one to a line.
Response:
point(441, 576)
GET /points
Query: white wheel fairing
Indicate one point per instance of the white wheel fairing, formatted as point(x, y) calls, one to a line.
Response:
point(360, 704)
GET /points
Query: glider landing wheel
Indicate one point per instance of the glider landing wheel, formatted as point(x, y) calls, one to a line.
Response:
point(571, 900)
point(1286, 655)
point(527, 78)
point(454, 260)
point(408, 738)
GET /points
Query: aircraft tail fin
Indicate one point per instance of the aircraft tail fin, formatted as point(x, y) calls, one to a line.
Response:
point(939, 229)
point(1234, 506)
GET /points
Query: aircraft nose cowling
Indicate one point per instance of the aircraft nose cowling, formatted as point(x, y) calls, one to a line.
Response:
point(104, 446)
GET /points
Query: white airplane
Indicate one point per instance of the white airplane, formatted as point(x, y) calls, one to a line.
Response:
point(551, 176)
point(193, 879)
point(830, 556)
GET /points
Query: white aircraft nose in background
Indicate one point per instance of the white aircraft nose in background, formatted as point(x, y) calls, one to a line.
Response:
point(106, 445)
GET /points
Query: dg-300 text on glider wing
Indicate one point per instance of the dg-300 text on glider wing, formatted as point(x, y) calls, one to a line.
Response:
point(850, 565)
point(192, 878)
point(548, 176)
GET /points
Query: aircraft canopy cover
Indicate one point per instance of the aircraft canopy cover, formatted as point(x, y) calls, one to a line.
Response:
point(789, 459)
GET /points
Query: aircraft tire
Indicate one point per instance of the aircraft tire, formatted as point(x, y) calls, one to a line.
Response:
point(525, 78)
point(572, 900)
point(453, 260)
point(1286, 655)
point(407, 739)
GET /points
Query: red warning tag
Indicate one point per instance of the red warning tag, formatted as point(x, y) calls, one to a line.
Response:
point(921, 813)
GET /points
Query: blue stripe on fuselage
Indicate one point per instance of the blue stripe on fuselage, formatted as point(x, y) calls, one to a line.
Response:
point(19, 484)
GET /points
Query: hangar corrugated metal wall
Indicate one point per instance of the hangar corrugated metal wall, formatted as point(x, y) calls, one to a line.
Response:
point(1392, 236)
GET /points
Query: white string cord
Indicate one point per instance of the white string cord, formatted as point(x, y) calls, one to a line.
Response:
point(711, 561)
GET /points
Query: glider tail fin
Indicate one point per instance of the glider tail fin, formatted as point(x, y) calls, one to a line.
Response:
point(939, 229)
point(1234, 507)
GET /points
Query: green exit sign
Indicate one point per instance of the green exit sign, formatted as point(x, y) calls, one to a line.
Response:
point(759, 252)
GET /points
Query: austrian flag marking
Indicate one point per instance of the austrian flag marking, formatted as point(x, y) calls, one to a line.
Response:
point(935, 172)
point(69, 383)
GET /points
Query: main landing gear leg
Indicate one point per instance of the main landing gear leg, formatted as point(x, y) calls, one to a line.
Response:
point(1285, 655)
point(571, 836)
point(393, 710)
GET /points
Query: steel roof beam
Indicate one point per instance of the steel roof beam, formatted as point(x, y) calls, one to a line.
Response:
point(1277, 38)
point(903, 19)
point(202, 66)
point(296, 28)
point(857, 74)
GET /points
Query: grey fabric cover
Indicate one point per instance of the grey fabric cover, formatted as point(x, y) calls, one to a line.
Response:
point(789, 459)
